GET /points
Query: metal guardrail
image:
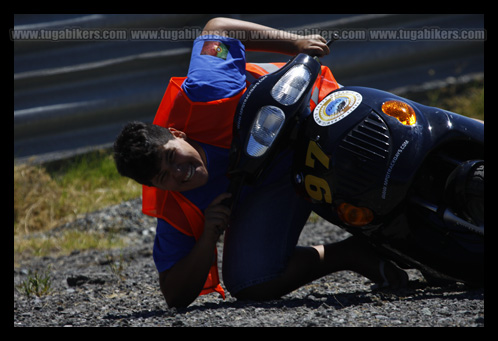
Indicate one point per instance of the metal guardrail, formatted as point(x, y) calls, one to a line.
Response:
point(74, 94)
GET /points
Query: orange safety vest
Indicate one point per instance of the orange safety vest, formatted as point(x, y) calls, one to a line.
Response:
point(210, 123)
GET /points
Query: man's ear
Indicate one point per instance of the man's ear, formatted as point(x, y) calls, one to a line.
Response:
point(177, 133)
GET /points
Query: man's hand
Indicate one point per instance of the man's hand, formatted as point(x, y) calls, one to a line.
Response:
point(217, 216)
point(183, 282)
point(314, 45)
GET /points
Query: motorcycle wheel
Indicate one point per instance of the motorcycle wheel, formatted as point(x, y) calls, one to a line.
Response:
point(465, 191)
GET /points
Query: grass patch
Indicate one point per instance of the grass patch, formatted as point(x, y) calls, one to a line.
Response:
point(35, 245)
point(49, 195)
point(464, 99)
point(36, 285)
point(46, 196)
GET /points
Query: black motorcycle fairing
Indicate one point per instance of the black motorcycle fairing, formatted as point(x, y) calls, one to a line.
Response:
point(390, 172)
point(373, 158)
point(255, 97)
point(369, 159)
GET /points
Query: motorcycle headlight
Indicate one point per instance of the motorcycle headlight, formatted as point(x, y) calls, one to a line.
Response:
point(292, 85)
point(265, 129)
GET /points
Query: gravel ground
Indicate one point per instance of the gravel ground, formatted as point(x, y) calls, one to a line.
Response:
point(120, 288)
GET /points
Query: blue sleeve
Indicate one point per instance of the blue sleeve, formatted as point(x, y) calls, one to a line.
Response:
point(217, 69)
point(170, 245)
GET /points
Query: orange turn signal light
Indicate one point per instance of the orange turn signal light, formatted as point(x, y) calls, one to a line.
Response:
point(402, 111)
point(353, 215)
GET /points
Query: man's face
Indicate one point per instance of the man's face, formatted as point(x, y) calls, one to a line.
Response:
point(183, 165)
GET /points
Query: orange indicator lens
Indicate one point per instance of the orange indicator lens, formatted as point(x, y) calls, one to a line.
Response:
point(354, 216)
point(401, 111)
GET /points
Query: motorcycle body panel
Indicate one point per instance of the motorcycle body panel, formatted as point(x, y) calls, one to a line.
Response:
point(373, 157)
point(348, 151)
point(373, 161)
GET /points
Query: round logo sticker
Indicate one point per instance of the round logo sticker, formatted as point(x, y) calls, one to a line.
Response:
point(336, 106)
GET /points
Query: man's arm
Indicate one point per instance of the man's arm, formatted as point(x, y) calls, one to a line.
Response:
point(183, 282)
point(257, 37)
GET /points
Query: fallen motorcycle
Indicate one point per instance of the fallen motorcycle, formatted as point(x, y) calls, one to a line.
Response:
point(406, 177)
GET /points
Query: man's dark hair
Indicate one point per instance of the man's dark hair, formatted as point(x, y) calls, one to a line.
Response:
point(136, 151)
